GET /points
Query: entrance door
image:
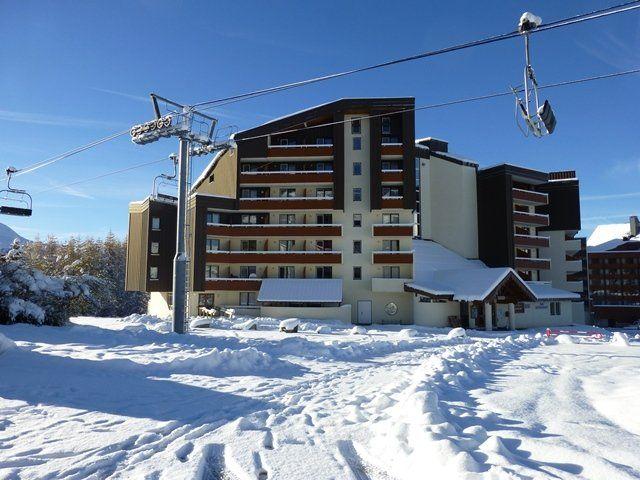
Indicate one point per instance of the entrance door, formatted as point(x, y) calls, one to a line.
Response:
point(364, 312)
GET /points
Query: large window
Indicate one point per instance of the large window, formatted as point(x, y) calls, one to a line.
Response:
point(324, 245)
point(249, 219)
point(357, 143)
point(391, 271)
point(206, 300)
point(391, 192)
point(248, 245)
point(287, 218)
point(213, 244)
point(247, 271)
point(287, 192)
point(357, 220)
point(153, 273)
point(155, 223)
point(324, 272)
point(357, 168)
point(324, 167)
point(324, 219)
point(386, 125)
point(285, 167)
point(390, 218)
point(287, 272)
point(212, 271)
point(357, 246)
point(249, 193)
point(286, 245)
point(357, 273)
point(213, 218)
point(325, 192)
point(357, 194)
point(356, 128)
point(247, 298)
point(391, 245)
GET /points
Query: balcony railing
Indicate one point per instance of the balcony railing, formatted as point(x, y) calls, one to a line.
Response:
point(304, 177)
point(531, 241)
point(391, 202)
point(300, 151)
point(280, 230)
point(535, 219)
point(393, 175)
point(524, 263)
point(391, 149)
point(233, 284)
point(528, 197)
point(392, 257)
point(392, 229)
point(277, 257)
point(287, 203)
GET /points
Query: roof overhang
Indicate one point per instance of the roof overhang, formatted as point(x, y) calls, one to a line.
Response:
point(301, 290)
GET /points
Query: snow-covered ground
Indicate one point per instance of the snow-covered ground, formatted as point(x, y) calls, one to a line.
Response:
point(123, 398)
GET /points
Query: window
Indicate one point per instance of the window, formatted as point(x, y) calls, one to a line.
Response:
point(355, 127)
point(153, 273)
point(357, 168)
point(357, 220)
point(324, 245)
point(284, 141)
point(391, 192)
point(388, 218)
point(357, 194)
point(386, 125)
point(286, 245)
point(555, 308)
point(155, 223)
point(287, 218)
point(285, 167)
point(324, 167)
point(357, 143)
point(357, 246)
point(287, 192)
point(248, 245)
point(324, 219)
point(247, 271)
point(286, 272)
point(249, 193)
point(212, 271)
point(155, 248)
point(390, 271)
point(247, 298)
point(211, 178)
point(246, 219)
point(324, 192)
point(324, 272)
point(357, 273)
point(391, 245)
point(324, 141)
point(212, 218)
point(206, 300)
point(213, 244)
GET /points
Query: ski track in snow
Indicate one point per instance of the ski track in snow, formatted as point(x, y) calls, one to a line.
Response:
point(111, 399)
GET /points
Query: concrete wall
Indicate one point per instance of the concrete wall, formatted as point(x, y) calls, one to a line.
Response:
point(448, 203)
point(434, 314)
point(538, 314)
point(557, 252)
point(342, 313)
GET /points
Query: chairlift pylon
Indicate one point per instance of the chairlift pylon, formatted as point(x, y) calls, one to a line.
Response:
point(539, 119)
point(14, 201)
point(167, 180)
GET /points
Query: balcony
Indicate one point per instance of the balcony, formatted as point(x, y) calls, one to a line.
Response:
point(277, 257)
point(530, 241)
point(276, 177)
point(573, 245)
point(573, 266)
point(300, 151)
point(523, 263)
point(272, 230)
point(392, 176)
point(530, 219)
point(391, 149)
point(287, 203)
point(392, 230)
point(529, 197)
point(392, 257)
point(389, 285)
point(233, 284)
point(391, 202)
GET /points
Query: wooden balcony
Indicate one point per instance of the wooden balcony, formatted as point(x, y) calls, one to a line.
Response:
point(393, 230)
point(392, 258)
point(287, 203)
point(395, 176)
point(531, 241)
point(391, 202)
point(233, 284)
point(532, 263)
point(300, 151)
point(530, 219)
point(529, 198)
point(267, 178)
point(391, 149)
point(275, 230)
point(276, 257)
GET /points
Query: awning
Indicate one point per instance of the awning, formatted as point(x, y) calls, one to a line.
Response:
point(299, 290)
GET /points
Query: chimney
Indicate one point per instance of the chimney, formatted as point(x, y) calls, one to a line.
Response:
point(434, 144)
point(634, 225)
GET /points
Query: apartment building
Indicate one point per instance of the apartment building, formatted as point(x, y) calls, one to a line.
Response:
point(614, 273)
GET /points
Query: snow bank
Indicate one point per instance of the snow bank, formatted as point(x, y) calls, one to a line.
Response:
point(457, 332)
point(358, 330)
point(290, 325)
point(251, 324)
point(565, 339)
point(323, 329)
point(407, 333)
point(137, 323)
point(6, 344)
point(620, 339)
point(246, 360)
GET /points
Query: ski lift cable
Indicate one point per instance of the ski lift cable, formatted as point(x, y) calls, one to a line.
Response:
point(621, 8)
point(449, 103)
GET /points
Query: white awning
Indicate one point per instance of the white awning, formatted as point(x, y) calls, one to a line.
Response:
point(311, 290)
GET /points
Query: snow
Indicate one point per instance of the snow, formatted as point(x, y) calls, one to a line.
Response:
point(315, 290)
point(6, 344)
point(7, 236)
point(124, 398)
point(620, 339)
point(544, 291)
point(565, 339)
point(289, 325)
point(358, 330)
point(605, 233)
point(251, 324)
point(457, 332)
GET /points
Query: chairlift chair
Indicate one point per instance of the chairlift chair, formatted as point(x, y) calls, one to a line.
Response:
point(539, 119)
point(166, 180)
point(14, 201)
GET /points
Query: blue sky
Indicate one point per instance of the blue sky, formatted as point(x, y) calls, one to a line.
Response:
point(72, 72)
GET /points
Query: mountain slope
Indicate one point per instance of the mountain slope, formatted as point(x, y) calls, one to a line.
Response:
point(7, 235)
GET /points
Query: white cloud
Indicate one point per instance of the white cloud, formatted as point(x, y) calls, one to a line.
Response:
point(611, 196)
point(54, 120)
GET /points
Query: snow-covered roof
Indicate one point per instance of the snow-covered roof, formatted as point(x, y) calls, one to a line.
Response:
point(606, 233)
point(544, 291)
point(316, 290)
